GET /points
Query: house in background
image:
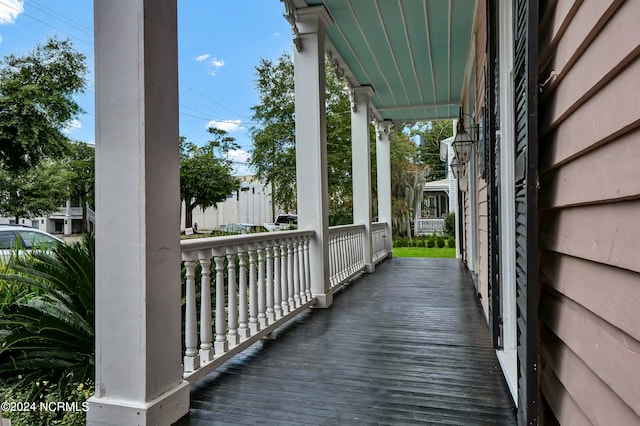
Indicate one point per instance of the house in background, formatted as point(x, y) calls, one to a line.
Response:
point(67, 220)
point(249, 204)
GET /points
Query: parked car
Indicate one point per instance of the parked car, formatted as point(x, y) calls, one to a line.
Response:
point(243, 228)
point(283, 221)
point(17, 237)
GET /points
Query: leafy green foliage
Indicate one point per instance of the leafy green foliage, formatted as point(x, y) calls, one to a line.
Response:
point(273, 155)
point(36, 102)
point(450, 225)
point(47, 331)
point(205, 179)
point(431, 133)
point(80, 163)
point(407, 180)
point(37, 191)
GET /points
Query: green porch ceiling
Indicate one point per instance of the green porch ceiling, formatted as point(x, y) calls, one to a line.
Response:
point(413, 52)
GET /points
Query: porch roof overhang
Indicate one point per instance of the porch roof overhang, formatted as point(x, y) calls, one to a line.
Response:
point(414, 53)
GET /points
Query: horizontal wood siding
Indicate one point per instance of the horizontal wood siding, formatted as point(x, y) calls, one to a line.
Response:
point(589, 211)
point(480, 35)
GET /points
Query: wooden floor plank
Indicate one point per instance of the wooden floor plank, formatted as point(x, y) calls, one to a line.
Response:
point(407, 344)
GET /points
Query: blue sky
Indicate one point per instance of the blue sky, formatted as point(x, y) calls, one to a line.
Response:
point(220, 43)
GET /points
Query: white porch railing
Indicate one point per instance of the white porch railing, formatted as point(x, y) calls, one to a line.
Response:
point(428, 226)
point(259, 282)
point(251, 284)
point(346, 253)
point(379, 238)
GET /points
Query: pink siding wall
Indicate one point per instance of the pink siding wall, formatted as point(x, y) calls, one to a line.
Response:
point(590, 211)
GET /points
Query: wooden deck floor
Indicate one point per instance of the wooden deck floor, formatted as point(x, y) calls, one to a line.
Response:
point(405, 345)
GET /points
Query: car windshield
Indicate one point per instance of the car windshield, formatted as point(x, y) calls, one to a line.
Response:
point(37, 240)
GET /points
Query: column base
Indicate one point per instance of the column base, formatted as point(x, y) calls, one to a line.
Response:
point(166, 409)
point(323, 301)
point(369, 268)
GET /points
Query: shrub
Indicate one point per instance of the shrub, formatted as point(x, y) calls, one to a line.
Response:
point(440, 242)
point(450, 225)
point(431, 243)
point(451, 243)
point(47, 336)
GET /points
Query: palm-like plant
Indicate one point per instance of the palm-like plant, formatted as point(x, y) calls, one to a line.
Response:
point(47, 334)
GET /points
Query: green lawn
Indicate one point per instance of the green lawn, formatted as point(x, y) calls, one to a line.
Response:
point(423, 252)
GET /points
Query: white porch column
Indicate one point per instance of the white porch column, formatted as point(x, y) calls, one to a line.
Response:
point(138, 316)
point(311, 145)
point(361, 166)
point(383, 163)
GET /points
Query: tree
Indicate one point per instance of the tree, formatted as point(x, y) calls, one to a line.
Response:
point(36, 102)
point(273, 155)
point(407, 181)
point(431, 133)
point(205, 179)
point(80, 163)
point(38, 191)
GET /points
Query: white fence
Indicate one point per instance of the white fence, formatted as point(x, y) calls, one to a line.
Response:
point(428, 226)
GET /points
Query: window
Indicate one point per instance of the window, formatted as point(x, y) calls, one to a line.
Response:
point(37, 240)
point(7, 239)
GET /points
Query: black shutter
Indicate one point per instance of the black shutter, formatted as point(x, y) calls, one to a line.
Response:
point(526, 203)
point(492, 114)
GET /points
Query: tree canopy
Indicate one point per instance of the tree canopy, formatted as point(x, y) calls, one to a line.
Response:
point(431, 133)
point(273, 155)
point(36, 102)
point(37, 191)
point(205, 178)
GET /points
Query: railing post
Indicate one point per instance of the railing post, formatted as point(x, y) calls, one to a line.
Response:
point(206, 344)
point(286, 308)
point(243, 326)
point(277, 290)
point(271, 315)
point(220, 345)
point(191, 358)
point(254, 326)
point(232, 306)
point(262, 305)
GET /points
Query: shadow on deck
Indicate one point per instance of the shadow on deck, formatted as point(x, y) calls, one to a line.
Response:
point(407, 344)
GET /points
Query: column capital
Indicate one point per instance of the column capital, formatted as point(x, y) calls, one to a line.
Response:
point(360, 95)
point(383, 128)
point(313, 18)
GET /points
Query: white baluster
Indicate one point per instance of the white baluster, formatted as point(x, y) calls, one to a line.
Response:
point(206, 345)
point(332, 260)
point(243, 326)
point(283, 278)
point(232, 333)
point(254, 326)
point(262, 305)
point(220, 345)
point(277, 290)
point(191, 358)
point(271, 315)
point(290, 290)
point(300, 245)
point(296, 274)
point(307, 269)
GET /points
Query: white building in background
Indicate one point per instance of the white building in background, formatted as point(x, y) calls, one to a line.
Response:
point(251, 203)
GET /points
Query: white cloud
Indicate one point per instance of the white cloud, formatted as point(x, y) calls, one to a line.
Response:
point(214, 65)
point(0, 38)
point(226, 125)
point(202, 57)
point(238, 155)
point(72, 125)
point(9, 10)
